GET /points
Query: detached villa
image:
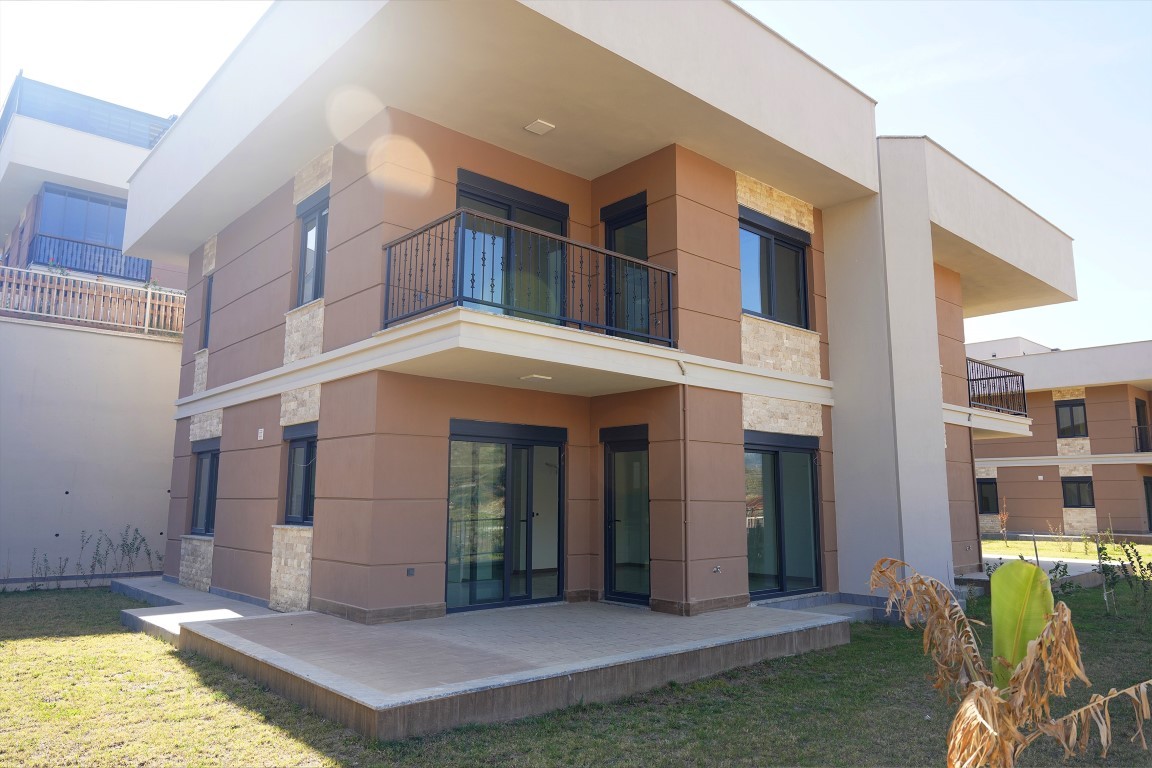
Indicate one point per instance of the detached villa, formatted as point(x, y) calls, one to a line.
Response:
point(1087, 466)
point(500, 303)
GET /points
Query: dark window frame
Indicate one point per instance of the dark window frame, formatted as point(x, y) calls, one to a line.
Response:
point(774, 443)
point(206, 460)
point(984, 482)
point(206, 313)
point(307, 514)
point(1078, 491)
point(313, 208)
point(1072, 430)
point(772, 230)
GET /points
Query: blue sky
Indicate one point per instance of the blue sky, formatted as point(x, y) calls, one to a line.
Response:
point(1050, 100)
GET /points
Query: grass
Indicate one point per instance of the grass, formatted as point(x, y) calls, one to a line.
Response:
point(1072, 548)
point(76, 689)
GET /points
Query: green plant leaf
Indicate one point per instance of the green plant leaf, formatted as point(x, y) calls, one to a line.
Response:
point(1021, 604)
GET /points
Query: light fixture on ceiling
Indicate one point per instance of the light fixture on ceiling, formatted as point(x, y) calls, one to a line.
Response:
point(539, 127)
point(535, 377)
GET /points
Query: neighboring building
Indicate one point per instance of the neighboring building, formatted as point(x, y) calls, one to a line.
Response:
point(496, 303)
point(1087, 467)
point(89, 345)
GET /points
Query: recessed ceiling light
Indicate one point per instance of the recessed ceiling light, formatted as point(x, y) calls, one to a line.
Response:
point(535, 377)
point(539, 127)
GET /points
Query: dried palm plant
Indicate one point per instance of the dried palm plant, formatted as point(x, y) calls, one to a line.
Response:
point(1036, 657)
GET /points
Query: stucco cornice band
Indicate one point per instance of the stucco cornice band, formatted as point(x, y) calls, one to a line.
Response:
point(990, 421)
point(629, 365)
point(1048, 461)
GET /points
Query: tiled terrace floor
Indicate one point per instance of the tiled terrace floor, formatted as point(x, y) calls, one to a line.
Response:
point(407, 678)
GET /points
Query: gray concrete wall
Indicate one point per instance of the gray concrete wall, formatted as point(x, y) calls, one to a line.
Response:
point(86, 431)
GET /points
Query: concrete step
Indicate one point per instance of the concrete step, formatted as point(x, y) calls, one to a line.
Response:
point(172, 606)
point(850, 611)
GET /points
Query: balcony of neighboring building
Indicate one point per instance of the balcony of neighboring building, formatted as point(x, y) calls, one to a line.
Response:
point(53, 297)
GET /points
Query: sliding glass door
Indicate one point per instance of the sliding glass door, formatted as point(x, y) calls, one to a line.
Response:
point(781, 515)
point(504, 522)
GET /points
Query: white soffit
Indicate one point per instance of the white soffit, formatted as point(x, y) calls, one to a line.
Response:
point(34, 151)
point(487, 70)
point(1007, 255)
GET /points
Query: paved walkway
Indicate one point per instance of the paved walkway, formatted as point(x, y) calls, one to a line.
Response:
point(406, 678)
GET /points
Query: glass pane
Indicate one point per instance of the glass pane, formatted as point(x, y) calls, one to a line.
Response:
point(631, 239)
point(545, 521)
point(308, 260)
point(631, 566)
point(52, 214)
point(537, 271)
point(518, 511)
point(75, 211)
point(116, 226)
point(789, 280)
point(297, 468)
point(482, 252)
point(477, 476)
point(202, 502)
point(798, 515)
point(1079, 420)
point(751, 275)
point(96, 224)
point(761, 522)
point(986, 494)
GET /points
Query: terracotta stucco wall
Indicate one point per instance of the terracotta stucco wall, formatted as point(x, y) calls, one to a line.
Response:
point(1042, 442)
point(958, 440)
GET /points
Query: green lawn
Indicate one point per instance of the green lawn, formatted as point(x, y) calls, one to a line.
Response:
point(1072, 548)
point(76, 689)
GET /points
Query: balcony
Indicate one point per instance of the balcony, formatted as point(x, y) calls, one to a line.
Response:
point(992, 388)
point(1142, 439)
point(469, 259)
point(50, 251)
point(81, 301)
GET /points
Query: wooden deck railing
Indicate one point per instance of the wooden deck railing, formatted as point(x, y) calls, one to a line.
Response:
point(63, 298)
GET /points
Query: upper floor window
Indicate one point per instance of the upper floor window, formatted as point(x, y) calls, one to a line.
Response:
point(204, 496)
point(301, 495)
point(313, 216)
point(773, 273)
point(206, 317)
point(1071, 419)
point(85, 217)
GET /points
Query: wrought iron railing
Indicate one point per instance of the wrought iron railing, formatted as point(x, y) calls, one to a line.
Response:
point(474, 260)
point(60, 252)
point(1142, 439)
point(63, 298)
point(996, 389)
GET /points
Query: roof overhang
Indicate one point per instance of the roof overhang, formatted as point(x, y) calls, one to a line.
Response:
point(1129, 363)
point(33, 152)
point(1007, 255)
point(619, 80)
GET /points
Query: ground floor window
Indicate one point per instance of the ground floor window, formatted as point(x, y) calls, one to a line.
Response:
point(987, 498)
point(505, 512)
point(781, 514)
point(1078, 492)
point(301, 495)
point(204, 497)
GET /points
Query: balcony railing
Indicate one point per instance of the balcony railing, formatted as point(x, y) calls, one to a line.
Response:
point(473, 260)
point(24, 293)
point(1142, 439)
point(61, 252)
point(996, 389)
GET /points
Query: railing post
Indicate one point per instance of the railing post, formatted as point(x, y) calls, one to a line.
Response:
point(148, 310)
